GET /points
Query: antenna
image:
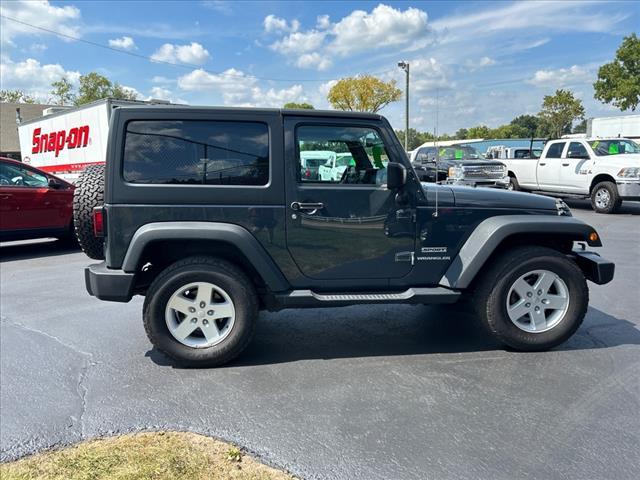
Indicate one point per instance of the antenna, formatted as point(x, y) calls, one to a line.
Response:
point(435, 142)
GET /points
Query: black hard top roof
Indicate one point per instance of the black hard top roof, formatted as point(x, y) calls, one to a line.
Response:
point(277, 111)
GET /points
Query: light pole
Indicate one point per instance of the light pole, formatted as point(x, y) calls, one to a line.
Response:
point(405, 66)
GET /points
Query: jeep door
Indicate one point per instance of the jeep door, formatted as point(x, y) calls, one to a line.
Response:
point(352, 227)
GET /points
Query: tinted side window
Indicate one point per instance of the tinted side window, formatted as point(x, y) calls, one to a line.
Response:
point(555, 150)
point(196, 152)
point(577, 150)
point(363, 146)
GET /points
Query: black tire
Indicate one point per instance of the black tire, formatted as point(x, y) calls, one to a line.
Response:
point(513, 184)
point(89, 193)
point(200, 269)
point(490, 297)
point(614, 201)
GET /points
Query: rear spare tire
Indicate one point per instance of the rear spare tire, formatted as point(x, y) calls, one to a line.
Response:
point(89, 193)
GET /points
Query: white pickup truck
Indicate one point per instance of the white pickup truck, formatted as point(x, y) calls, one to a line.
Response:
point(607, 170)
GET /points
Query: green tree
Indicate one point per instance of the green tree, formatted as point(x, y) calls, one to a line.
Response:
point(62, 92)
point(94, 86)
point(480, 131)
point(559, 112)
point(462, 133)
point(365, 93)
point(299, 106)
point(416, 138)
point(580, 127)
point(618, 82)
point(16, 96)
point(528, 124)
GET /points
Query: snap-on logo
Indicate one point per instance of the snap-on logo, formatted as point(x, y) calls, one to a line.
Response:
point(76, 137)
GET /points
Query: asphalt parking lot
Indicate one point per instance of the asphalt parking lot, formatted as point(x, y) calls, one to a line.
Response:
point(365, 392)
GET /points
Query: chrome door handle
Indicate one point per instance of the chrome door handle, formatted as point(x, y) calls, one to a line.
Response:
point(297, 206)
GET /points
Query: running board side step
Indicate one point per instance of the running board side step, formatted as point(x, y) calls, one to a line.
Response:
point(311, 299)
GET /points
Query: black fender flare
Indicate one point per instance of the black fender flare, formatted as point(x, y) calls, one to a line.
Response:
point(230, 233)
point(491, 232)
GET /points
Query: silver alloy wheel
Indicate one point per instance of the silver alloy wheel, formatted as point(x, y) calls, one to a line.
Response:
point(603, 198)
point(200, 315)
point(511, 186)
point(538, 301)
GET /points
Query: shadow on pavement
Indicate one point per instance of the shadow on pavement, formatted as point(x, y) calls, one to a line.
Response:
point(375, 332)
point(11, 251)
point(627, 208)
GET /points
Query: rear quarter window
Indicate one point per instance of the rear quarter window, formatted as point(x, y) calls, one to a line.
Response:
point(196, 152)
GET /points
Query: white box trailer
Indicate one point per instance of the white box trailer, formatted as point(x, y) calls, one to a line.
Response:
point(625, 126)
point(66, 142)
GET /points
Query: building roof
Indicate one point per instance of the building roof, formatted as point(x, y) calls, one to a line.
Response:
point(8, 126)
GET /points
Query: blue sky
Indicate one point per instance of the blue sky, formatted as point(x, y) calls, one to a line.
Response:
point(480, 62)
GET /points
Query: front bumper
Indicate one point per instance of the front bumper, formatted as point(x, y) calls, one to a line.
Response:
point(479, 182)
point(108, 284)
point(629, 189)
point(594, 267)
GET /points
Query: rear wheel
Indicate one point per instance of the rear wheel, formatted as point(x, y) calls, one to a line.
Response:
point(532, 298)
point(201, 311)
point(605, 198)
point(89, 193)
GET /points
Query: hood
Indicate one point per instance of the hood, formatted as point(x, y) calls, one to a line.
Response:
point(497, 198)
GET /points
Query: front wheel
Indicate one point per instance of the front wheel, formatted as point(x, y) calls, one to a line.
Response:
point(201, 311)
point(513, 184)
point(605, 198)
point(532, 298)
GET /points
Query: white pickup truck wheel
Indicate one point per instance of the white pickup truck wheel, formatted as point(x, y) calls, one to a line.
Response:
point(605, 198)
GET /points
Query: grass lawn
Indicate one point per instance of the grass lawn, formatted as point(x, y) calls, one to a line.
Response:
point(149, 456)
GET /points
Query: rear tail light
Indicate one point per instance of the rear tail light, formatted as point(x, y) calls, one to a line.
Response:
point(307, 173)
point(98, 221)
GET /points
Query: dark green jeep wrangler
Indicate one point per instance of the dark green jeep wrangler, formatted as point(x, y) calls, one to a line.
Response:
point(206, 212)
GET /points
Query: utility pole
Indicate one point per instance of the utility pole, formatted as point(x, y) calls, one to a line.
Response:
point(405, 66)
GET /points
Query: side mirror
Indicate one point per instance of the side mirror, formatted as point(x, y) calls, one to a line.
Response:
point(55, 184)
point(396, 176)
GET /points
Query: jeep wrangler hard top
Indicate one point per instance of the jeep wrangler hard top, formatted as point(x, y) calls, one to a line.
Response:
point(207, 212)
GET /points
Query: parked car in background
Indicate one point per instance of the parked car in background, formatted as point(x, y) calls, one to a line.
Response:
point(607, 170)
point(458, 165)
point(33, 203)
point(311, 161)
point(502, 152)
point(335, 167)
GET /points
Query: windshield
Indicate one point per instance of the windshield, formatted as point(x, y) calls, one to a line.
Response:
point(614, 147)
point(459, 152)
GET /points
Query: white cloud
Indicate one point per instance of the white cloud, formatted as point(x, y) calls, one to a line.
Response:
point(300, 42)
point(33, 77)
point(239, 89)
point(123, 43)
point(323, 22)
point(272, 24)
point(219, 6)
point(528, 17)
point(161, 93)
point(483, 62)
point(383, 27)
point(193, 53)
point(42, 13)
point(38, 47)
point(561, 77)
point(313, 60)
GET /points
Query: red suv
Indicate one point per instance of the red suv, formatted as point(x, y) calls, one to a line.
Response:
point(33, 203)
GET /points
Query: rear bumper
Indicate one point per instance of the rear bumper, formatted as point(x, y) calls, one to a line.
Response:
point(629, 190)
point(108, 284)
point(594, 267)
